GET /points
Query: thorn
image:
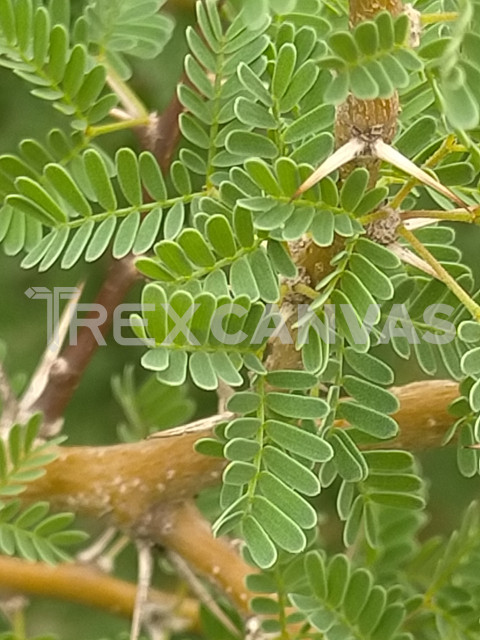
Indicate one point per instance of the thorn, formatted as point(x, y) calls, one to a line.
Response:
point(51, 354)
point(410, 258)
point(418, 223)
point(347, 152)
point(387, 153)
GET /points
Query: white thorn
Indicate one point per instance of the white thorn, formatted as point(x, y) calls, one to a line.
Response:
point(410, 258)
point(347, 152)
point(387, 153)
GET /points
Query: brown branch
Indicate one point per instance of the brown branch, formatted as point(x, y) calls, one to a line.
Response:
point(90, 587)
point(67, 371)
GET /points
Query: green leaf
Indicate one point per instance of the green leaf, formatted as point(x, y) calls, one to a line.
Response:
point(348, 459)
point(317, 119)
point(152, 176)
point(289, 502)
point(40, 197)
point(148, 231)
point(176, 373)
point(367, 38)
point(293, 406)
point(376, 281)
point(202, 371)
point(156, 359)
point(284, 68)
point(370, 395)
point(267, 281)
point(299, 441)
point(220, 236)
point(239, 473)
point(174, 221)
point(241, 449)
point(344, 45)
point(323, 227)
point(96, 171)
point(369, 367)
point(362, 84)
point(126, 235)
point(283, 531)
point(293, 473)
point(243, 402)
point(380, 256)
point(247, 144)
point(262, 549)
point(129, 176)
point(470, 362)
point(302, 81)
point(196, 248)
point(368, 420)
point(253, 114)
point(253, 84)
point(338, 571)
point(291, 379)
point(181, 178)
point(67, 189)
point(354, 188)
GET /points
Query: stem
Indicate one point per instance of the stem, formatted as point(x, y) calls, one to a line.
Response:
point(129, 99)
point(112, 127)
point(455, 215)
point(441, 272)
point(444, 16)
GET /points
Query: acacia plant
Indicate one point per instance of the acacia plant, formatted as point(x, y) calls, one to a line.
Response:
point(313, 158)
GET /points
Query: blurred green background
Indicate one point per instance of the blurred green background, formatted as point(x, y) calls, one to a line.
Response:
point(93, 415)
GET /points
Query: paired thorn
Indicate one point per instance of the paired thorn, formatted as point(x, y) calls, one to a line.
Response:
point(378, 149)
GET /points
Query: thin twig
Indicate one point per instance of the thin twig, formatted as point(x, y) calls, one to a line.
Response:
point(200, 591)
point(144, 579)
point(441, 273)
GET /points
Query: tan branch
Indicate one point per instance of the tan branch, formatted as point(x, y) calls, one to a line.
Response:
point(126, 480)
point(183, 529)
point(144, 487)
point(90, 587)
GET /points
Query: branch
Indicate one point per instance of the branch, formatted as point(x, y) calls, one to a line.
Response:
point(90, 587)
point(67, 370)
point(144, 487)
point(183, 529)
point(126, 481)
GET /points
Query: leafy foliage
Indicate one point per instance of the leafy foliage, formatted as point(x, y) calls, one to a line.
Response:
point(36, 45)
point(230, 254)
point(30, 532)
point(21, 460)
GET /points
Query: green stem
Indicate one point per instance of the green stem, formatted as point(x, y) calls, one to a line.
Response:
point(443, 16)
point(441, 272)
point(112, 127)
point(131, 102)
point(257, 461)
point(455, 215)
